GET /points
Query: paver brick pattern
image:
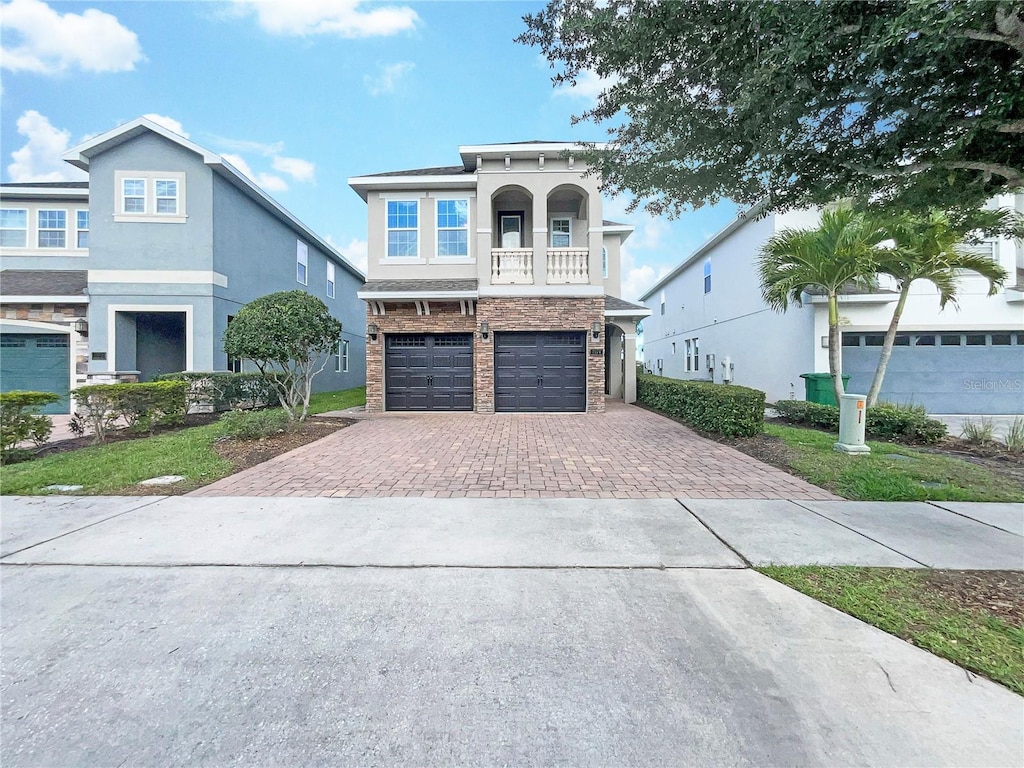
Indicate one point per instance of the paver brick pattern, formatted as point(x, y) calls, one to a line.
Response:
point(626, 452)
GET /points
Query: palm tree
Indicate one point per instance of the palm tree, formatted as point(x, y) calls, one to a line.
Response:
point(930, 247)
point(840, 252)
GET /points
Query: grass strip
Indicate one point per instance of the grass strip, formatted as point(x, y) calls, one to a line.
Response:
point(919, 476)
point(901, 603)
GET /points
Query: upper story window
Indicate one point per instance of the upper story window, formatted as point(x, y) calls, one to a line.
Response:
point(166, 196)
point(707, 276)
point(13, 227)
point(403, 228)
point(663, 302)
point(52, 228)
point(134, 195)
point(153, 196)
point(330, 280)
point(453, 227)
point(81, 229)
point(301, 262)
point(561, 232)
point(604, 262)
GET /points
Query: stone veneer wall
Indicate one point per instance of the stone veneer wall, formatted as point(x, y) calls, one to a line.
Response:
point(519, 313)
point(57, 314)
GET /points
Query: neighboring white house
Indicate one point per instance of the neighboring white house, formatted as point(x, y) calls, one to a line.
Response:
point(709, 322)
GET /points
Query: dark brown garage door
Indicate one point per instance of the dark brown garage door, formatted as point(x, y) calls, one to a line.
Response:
point(540, 371)
point(429, 372)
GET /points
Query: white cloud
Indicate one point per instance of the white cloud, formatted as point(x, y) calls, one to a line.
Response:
point(39, 159)
point(356, 251)
point(296, 167)
point(644, 248)
point(48, 42)
point(344, 18)
point(167, 122)
point(588, 86)
point(244, 145)
point(267, 181)
point(388, 77)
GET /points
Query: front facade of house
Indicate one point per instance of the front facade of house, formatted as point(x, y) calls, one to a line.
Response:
point(492, 285)
point(138, 271)
point(709, 322)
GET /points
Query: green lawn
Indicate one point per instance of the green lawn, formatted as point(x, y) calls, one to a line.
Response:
point(116, 467)
point(902, 603)
point(919, 476)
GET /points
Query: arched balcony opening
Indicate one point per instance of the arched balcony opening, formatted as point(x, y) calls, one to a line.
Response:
point(568, 227)
point(512, 236)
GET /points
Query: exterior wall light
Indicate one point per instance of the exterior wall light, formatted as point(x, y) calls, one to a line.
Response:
point(485, 330)
point(372, 330)
point(81, 325)
point(595, 329)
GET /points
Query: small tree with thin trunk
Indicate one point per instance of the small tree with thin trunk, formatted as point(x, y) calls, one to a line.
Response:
point(289, 337)
point(930, 247)
point(838, 253)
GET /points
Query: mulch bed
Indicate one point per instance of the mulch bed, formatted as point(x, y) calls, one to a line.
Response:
point(1000, 593)
point(248, 453)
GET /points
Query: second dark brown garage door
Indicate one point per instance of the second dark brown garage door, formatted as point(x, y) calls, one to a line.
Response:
point(540, 371)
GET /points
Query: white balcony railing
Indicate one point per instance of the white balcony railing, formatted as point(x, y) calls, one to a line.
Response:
point(568, 265)
point(511, 266)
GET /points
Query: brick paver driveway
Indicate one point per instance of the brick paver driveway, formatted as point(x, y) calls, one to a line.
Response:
point(627, 452)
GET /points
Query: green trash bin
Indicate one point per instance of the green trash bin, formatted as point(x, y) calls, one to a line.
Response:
point(818, 387)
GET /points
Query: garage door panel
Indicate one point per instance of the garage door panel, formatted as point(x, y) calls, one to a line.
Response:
point(543, 371)
point(38, 363)
point(954, 377)
point(428, 372)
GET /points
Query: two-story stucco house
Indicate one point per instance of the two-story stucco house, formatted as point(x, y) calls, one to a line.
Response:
point(138, 271)
point(709, 322)
point(492, 285)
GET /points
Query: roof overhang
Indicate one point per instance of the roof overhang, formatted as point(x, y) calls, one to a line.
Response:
point(644, 312)
point(363, 185)
point(43, 192)
point(416, 295)
point(520, 151)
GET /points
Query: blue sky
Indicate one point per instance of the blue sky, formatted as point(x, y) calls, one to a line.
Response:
point(301, 95)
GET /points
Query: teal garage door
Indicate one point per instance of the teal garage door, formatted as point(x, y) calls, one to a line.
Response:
point(38, 362)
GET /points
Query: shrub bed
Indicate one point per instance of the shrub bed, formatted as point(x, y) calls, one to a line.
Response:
point(224, 391)
point(885, 421)
point(723, 409)
point(141, 406)
point(19, 421)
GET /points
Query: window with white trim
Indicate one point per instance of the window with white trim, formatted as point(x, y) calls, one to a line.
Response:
point(561, 232)
point(453, 227)
point(707, 276)
point(13, 227)
point(301, 262)
point(689, 351)
point(604, 262)
point(696, 355)
point(403, 228)
point(330, 280)
point(133, 193)
point(663, 302)
point(52, 228)
point(341, 358)
point(81, 229)
point(166, 191)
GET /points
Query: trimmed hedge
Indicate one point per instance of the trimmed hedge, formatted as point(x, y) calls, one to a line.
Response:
point(724, 409)
point(885, 421)
point(142, 406)
point(224, 391)
point(19, 421)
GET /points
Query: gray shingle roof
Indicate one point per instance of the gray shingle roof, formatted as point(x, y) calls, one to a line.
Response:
point(48, 184)
point(614, 303)
point(447, 170)
point(43, 282)
point(419, 286)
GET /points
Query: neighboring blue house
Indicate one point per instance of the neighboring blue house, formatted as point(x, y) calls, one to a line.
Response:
point(142, 267)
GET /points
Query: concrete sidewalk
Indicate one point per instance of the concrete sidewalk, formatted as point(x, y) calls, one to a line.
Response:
point(494, 533)
point(423, 632)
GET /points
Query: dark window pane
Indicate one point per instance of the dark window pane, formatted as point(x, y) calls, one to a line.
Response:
point(901, 340)
point(873, 339)
point(975, 339)
point(925, 341)
point(851, 339)
point(950, 340)
point(1000, 339)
